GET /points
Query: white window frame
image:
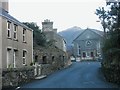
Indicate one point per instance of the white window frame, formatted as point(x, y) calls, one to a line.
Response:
point(9, 49)
point(24, 35)
point(9, 29)
point(15, 31)
point(24, 57)
point(88, 43)
point(79, 50)
point(14, 57)
point(85, 54)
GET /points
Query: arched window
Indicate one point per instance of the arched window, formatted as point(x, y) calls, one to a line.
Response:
point(84, 54)
point(79, 50)
point(88, 43)
point(92, 54)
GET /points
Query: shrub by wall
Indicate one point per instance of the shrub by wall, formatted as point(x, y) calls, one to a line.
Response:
point(112, 73)
point(15, 77)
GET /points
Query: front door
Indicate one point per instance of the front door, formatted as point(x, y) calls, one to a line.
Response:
point(84, 54)
point(92, 54)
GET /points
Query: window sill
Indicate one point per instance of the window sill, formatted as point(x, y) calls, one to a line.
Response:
point(9, 38)
point(15, 39)
point(24, 64)
point(24, 42)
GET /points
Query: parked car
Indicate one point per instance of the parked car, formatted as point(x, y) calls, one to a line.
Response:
point(72, 59)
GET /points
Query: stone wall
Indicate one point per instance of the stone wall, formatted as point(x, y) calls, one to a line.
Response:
point(14, 77)
point(46, 69)
point(53, 55)
point(56, 59)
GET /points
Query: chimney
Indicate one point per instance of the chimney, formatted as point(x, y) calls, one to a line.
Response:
point(55, 30)
point(47, 25)
point(4, 5)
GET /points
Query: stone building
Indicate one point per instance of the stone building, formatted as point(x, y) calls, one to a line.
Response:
point(16, 40)
point(52, 36)
point(16, 48)
point(88, 44)
point(53, 56)
point(49, 59)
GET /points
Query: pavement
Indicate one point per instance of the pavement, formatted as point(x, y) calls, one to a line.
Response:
point(79, 75)
point(41, 77)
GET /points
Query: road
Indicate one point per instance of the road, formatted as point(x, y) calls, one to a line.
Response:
point(78, 75)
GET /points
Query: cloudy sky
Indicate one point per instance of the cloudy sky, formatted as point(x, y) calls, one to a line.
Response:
point(64, 13)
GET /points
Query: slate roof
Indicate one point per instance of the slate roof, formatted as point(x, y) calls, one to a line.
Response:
point(100, 33)
point(6, 15)
point(70, 34)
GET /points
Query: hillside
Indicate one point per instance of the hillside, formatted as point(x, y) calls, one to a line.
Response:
point(70, 34)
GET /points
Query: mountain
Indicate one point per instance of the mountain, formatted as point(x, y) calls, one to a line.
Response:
point(70, 34)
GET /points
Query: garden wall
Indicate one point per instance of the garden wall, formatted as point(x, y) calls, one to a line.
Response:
point(14, 77)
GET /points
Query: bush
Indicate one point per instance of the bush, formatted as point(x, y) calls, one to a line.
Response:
point(112, 73)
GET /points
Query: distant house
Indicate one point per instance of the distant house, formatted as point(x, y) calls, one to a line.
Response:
point(52, 36)
point(16, 41)
point(87, 46)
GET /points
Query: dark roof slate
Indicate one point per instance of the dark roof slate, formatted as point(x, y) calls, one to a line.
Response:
point(100, 33)
point(11, 18)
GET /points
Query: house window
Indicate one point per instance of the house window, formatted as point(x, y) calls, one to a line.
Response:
point(36, 58)
point(87, 54)
point(15, 31)
point(79, 50)
point(8, 57)
point(44, 60)
point(84, 54)
point(14, 58)
point(9, 29)
point(92, 54)
point(63, 58)
point(24, 57)
point(88, 43)
point(24, 34)
point(53, 58)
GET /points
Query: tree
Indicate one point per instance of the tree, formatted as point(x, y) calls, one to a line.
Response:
point(38, 37)
point(111, 48)
point(103, 15)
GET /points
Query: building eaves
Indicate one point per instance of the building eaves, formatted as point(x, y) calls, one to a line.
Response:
point(79, 35)
point(59, 36)
point(100, 33)
point(4, 14)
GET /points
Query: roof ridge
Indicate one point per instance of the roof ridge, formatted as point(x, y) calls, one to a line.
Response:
point(11, 18)
point(93, 30)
